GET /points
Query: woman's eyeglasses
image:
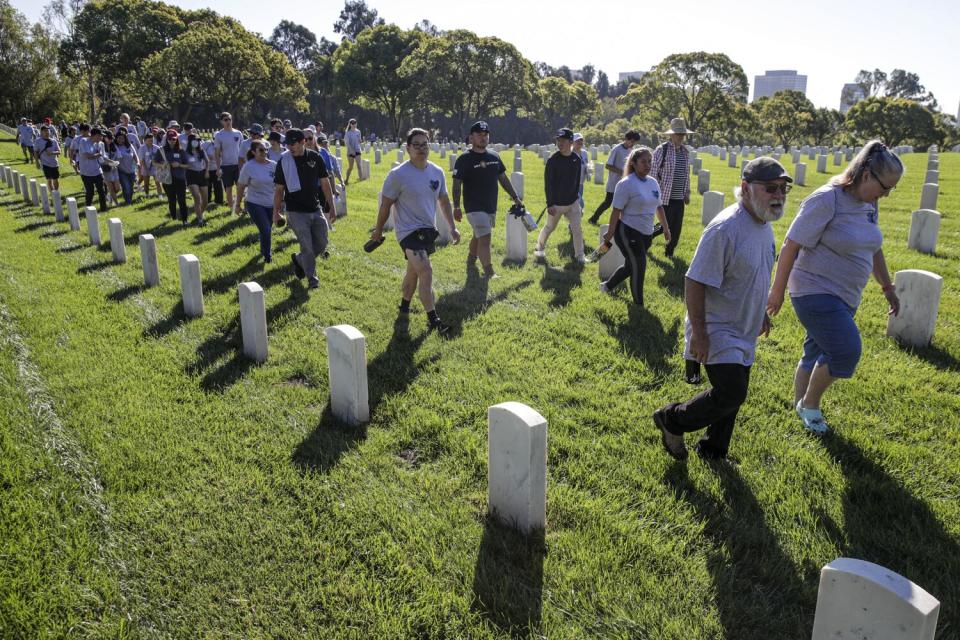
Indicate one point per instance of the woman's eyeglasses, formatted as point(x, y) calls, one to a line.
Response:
point(880, 182)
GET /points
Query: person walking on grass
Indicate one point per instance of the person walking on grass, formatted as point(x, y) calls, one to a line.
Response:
point(111, 176)
point(831, 249)
point(671, 168)
point(128, 164)
point(197, 176)
point(256, 133)
point(414, 188)
point(636, 200)
point(578, 149)
point(147, 172)
point(48, 150)
point(301, 183)
point(477, 174)
point(256, 184)
point(25, 138)
point(352, 137)
point(170, 153)
point(618, 155)
point(726, 294)
point(214, 184)
point(83, 133)
point(561, 181)
point(89, 155)
point(227, 144)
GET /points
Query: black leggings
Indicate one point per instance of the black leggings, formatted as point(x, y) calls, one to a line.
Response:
point(716, 408)
point(607, 201)
point(177, 195)
point(215, 186)
point(633, 245)
point(89, 184)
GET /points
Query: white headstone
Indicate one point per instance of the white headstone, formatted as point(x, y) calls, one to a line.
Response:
point(933, 165)
point(347, 357)
point(148, 256)
point(517, 164)
point(73, 213)
point(723, 154)
point(253, 321)
point(801, 174)
point(44, 199)
point(713, 203)
point(340, 202)
point(919, 294)
point(703, 181)
point(612, 259)
point(399, 155)
point(696, 165)
point(517, 466)
point(93, 226)
point(516, 179)
point(364, 169)
point(25, 187)
point(16, 181)
point(928, 197)
point(34, 193)
point(859, 600)
point(924, 228)
point(732, 159)
point(837, 158)
point(117, 248)
point(453, 160)
point(821, 163)
point(932, 177)
point(57, 205)
point(190, 285)
point(593, 153)
point(376, 155)
point(598, 173)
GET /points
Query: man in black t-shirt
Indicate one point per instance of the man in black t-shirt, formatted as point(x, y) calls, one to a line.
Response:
point(302, 184)
point(477, 173)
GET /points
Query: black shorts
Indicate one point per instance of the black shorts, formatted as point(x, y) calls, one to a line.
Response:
point(229, 174)
point(420, 240)
point(198, 178)
point(51, 173)
point(354, 155)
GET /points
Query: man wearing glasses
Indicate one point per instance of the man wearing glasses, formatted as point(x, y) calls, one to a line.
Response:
point(301, 183)
point(415, 187)
point(726, 294)
point(226, 144)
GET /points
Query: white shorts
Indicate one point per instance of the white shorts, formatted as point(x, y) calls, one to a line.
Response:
point(482, 222)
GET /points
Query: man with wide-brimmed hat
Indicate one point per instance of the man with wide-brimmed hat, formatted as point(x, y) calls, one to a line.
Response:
point(671, 168)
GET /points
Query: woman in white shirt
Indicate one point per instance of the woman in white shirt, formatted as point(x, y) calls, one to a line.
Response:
point(256, 182)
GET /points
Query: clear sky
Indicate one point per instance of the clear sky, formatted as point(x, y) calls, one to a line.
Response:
point(827, 40)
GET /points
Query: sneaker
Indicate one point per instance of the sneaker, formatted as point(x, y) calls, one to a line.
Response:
point(471, 260)
point(812, 420)
point(539, 253)
point(443, 330)
point(604, 288)
point(580, 260)
point(314, 283)
point(673, 444)
point(488, 272)
point(297, 269)
point(268, 259)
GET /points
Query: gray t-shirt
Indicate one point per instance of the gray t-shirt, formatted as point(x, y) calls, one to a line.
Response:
point(352, 138)
point(228, 142)
point(89, 166)
point(733, 259)
point(49, 154)
point(258, 177)
point(838, 235)
point(617, 158)
point(210, 152)
point(638, 199)
point(416, 192)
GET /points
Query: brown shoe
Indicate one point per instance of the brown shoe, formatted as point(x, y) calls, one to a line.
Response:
point(672, 443)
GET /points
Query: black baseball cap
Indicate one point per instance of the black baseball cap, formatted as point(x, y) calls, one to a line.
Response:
point(293, 136)
point(565, 133)
point(275, 135)
point(765, 169)
point(480, 127)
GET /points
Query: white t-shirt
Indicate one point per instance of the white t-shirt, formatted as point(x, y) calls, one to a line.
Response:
point(146, 153)
point(638, 198)
point(228, 142)
point(26, 134)
point(415, 192)
point(353, 138)
point(210, 151)
point(617, 158)
point(49, 156)
point(257, 177)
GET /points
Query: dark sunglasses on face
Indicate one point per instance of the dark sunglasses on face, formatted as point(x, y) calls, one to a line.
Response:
point(774, 188)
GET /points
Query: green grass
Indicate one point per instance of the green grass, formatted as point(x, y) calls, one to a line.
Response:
point(154, 483)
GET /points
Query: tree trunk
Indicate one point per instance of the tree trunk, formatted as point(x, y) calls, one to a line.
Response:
point(91, 94)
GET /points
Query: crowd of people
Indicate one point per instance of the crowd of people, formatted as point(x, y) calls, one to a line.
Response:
point(289, 176)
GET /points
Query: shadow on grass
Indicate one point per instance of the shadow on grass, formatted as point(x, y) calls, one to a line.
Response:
point(248, 240)
point(327, 443)
point(165, 228)
point(644, 337)
point(54, 233)
point(122, 294)
point(176, 318)
point(460, 306)
point(94, 267)
point(395, 369)
point(673, 271)
point(508, 579)
point(561, 281)
point(217, 232)
point(759, 594)
point(887, 525)
point(33, 226)
point(71, 248)
point(941, 359)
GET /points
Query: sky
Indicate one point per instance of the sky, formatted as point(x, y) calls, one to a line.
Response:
point(828, 41)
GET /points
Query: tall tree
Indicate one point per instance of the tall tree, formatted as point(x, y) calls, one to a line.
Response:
point(296, 42)
point(893, 120)
point(587, 73)
point(603, 84)
point(872, 82)
point(825, 124)
point(903, 84)
point(470, 77)
point(564, 104)
point(702, 87)
point(369, 68)
point(354, 18)
point(787, 115)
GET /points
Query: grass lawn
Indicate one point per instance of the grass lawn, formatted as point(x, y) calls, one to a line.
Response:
point(155, 483)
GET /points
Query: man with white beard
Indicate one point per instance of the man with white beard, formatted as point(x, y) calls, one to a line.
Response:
point(725, 292)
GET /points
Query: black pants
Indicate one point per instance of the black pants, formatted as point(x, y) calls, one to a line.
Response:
point(607, 201)
point(177, 195)
point(633, 245)
point(214, 188)
point(674, 214)
point(716, 408)
point(89, 184)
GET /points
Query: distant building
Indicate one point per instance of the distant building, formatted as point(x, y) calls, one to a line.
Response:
point(778, 80)
point(851, 94)
point(626, 76)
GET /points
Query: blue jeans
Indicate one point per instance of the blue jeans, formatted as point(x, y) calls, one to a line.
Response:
point(832, 336)
point(127, 180)
point(262, 217)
